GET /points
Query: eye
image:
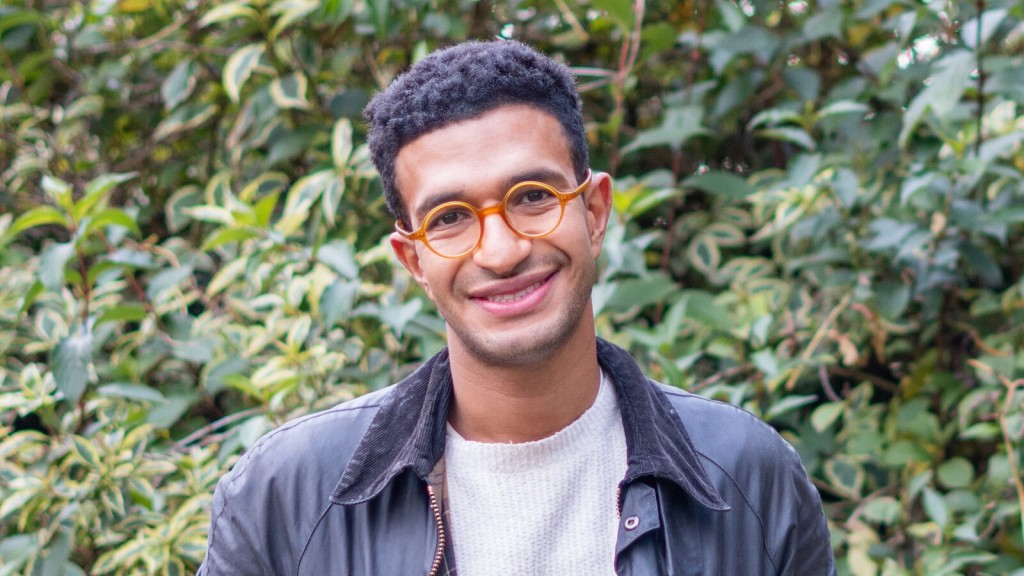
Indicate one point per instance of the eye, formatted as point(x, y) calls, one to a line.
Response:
point(449, 217)
point(532, 197)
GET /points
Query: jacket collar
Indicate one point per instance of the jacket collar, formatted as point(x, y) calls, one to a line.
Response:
point(408, 432)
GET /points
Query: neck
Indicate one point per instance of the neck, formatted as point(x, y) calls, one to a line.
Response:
point(514, 404)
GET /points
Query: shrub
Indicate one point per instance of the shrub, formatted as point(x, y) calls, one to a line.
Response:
point(816, 219)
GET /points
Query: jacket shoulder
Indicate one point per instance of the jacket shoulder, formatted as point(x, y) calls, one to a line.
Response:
point(335, 432)
point(729, 436)
point(274, 495)
point(758, 472)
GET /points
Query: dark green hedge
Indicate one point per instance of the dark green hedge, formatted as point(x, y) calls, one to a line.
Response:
point(818, 217)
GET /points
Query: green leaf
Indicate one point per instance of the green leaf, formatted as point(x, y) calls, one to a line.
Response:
point(38, 216)
point(704, 253)
point(337, 301)
point(225, 276)
point(52, 263)
point(788, 134)
point(98, 189)
point(301, 196)
point(773, 117)
point(70, 363)
point(213, 214)
point(957, 472)
point(229, 236)
point(982, 28)
point(843, 107)
point(825, 415)
point(633, 293)
point(882, 510)
point(290, 91)
point(846, 476)
point(127, 312)
point(340, 257)
point(264, 185)
point(731, 14)
point(723, 184)
point(59, 191)
point(332, 198)
point(167, 278)
point(17, 549)
point(892, 299)
point(176, 214)
point(228, 11)
point(398, 317)
point(30, 297)
point(112, 217)
point(677, 127)
point(86, 452)
point(177, 87)
point(827, 23)
point(702, 307)
point(239, 68)
point(935, 507)
point(264, 209)
point(788, 404)
point(184, 118)
point(380, 9)
point(620, 11)
point(290, 11)
point(942, 94)
point(341, 144)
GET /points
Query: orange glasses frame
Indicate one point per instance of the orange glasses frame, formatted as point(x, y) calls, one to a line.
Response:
point(499, 208)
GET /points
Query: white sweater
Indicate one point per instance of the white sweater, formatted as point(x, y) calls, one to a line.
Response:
point(544, 507)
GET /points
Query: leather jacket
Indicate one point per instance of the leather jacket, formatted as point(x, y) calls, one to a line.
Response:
point(709, 488)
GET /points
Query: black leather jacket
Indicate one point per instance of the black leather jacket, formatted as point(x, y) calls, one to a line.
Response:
point(709, 489)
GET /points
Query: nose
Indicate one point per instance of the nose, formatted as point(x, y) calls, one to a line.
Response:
point(500, 249)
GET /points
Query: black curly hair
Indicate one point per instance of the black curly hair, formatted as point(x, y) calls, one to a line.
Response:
point(463, 82)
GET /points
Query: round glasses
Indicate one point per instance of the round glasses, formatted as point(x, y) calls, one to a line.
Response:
point(530, 209)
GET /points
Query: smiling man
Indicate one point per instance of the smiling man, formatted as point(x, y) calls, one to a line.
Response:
point(528, 445)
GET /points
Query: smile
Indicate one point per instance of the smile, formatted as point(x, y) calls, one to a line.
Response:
point(514, 296)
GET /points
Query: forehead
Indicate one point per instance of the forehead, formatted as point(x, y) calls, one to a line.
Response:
point(478, 157)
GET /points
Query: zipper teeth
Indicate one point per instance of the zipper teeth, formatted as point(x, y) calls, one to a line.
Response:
point(436, 509)
point(618, 502)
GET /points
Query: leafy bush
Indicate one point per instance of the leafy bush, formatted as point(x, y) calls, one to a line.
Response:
point(817, 219)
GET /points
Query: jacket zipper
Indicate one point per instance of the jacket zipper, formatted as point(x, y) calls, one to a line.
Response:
point(439, 554)
point(618, 502)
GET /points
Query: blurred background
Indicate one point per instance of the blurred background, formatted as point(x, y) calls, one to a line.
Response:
point(818, 217)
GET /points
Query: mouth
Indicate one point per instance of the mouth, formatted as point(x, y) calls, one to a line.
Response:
point(515, 295)
point(516, 299)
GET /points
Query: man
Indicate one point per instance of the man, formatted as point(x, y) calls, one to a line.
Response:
point(528, 446)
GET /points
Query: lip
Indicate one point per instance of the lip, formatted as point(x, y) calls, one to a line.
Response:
point(515, 296)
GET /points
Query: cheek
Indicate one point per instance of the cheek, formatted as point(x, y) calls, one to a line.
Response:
point(437, 278)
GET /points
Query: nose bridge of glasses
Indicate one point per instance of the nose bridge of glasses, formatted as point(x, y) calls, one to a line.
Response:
point(499, 209)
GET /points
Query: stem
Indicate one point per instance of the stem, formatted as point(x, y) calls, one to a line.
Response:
point(200, 433)
point(816, 340)
point(1011, 453)
point(627, 59)
point(980, 8)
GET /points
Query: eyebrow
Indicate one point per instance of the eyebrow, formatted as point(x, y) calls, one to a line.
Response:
point(547, 176)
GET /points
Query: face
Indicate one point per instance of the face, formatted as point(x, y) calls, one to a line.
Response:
point(512, 301)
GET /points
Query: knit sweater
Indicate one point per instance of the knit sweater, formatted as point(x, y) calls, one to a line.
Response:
point(543, 507)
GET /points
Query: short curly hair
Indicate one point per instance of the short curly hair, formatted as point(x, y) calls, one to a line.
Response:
point(463, 82)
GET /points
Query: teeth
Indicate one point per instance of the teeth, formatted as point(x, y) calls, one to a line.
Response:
point(515, 296)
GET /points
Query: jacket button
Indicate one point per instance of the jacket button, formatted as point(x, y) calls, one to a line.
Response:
point(632, 522)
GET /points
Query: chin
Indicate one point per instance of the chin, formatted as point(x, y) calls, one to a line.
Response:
point(516, 350)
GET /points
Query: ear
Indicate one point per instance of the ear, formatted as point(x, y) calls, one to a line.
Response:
point(598, 200)
point(405, 250)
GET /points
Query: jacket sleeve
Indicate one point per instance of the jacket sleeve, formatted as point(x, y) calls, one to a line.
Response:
point(808, 549)
point(234, 543)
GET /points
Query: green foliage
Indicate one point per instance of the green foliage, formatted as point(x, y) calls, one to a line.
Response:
point(816, 219)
